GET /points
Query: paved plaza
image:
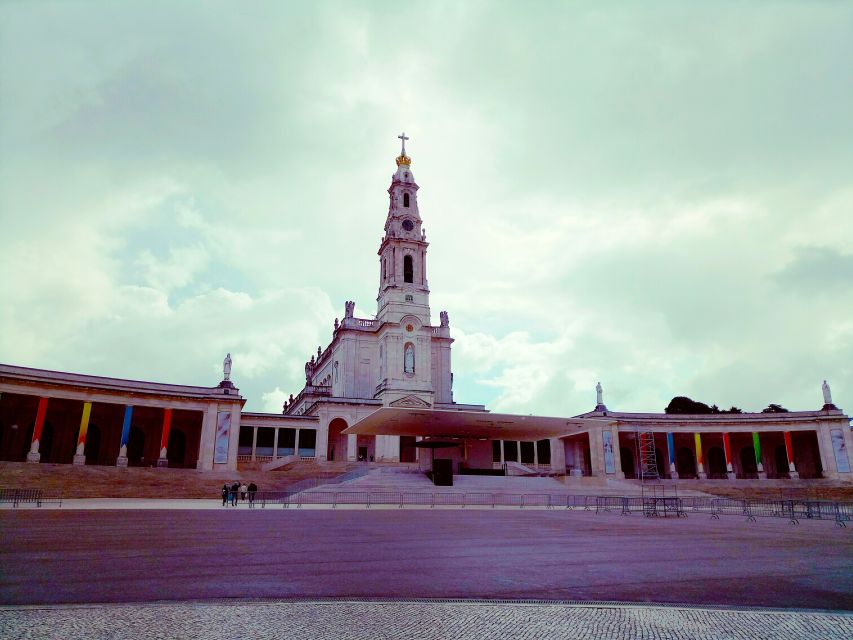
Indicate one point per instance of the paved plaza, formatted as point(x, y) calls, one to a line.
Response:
point(91, 556)
point(432, 620)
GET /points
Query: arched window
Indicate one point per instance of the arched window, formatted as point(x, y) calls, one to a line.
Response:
point(408, 269)
point(405, 199)
point(383, 268)
point(409, 358)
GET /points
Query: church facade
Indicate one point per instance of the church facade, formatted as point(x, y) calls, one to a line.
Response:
point(397, 359)
point(380, 387)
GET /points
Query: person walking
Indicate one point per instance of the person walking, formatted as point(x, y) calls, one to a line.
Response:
point(235, 488)
point(253, 488)
point(224, 495)
point(243, 491)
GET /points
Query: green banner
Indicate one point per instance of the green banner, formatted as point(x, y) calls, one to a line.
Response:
point(757, 446)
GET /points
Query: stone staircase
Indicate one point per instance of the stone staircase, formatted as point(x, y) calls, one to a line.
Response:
point(390, 479)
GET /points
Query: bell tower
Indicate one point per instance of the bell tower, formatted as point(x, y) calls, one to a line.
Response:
point(403, 286)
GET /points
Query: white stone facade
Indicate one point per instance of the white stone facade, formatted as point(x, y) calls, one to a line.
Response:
point(398, 358)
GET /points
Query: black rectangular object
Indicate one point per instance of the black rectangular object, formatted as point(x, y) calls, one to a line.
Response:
point(442, 472)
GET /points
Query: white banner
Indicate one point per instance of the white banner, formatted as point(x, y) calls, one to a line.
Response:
point(609, 461)
point(223, 433)
point(842, 462)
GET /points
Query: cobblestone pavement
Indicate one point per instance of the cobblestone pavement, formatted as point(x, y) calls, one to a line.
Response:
point(433, 620)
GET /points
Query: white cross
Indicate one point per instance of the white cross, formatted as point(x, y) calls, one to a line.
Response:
point(403, 137)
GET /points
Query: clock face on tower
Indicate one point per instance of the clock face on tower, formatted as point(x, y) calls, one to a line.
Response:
point(408, 225)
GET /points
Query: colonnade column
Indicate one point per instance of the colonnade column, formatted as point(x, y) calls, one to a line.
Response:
point(756, 444)
point(254, 442)
point(670, 447)
point(727, 449)
point(352, 447)
point(558, 455)
point(596, 453)
point(80, 454)
point(535, 454)
point(296, 443)
point(275, 443)
point(163, 459)
point(503, 459)
point(789, 450)
point(34, 455)
point(700, 467)
point(121, 461)
point(207, 441)
point(518, 451)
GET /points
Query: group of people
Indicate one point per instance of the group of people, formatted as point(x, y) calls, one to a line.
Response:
point(231, 494)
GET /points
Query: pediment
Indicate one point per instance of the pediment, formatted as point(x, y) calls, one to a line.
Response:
point(410, 401)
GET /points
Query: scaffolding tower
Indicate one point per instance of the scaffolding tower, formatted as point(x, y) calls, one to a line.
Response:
point(647, 456)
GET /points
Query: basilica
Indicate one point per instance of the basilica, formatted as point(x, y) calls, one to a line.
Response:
point(381, 392)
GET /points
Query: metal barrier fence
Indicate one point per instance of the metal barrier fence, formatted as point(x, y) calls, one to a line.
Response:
point(648, 506)
point(38, 497)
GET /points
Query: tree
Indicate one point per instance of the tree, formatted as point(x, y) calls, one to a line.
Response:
point(774, 408)
point(683, 404)
point(732, 410)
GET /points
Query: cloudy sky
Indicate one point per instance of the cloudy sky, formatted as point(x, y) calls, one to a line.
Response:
point(654, 195)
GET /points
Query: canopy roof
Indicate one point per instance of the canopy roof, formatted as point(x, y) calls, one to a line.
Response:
point(392, 421)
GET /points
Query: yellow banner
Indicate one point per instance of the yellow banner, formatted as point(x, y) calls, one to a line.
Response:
point(84, 422)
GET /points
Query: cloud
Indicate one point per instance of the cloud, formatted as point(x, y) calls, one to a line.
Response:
point(818, 271)
point(272, 401)
point(655, 198)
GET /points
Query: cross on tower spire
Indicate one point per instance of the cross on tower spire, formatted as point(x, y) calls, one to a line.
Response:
point(403, 137)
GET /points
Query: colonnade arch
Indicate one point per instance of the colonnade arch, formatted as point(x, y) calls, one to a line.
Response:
point(716, 463)
point(337, 447)
point(626, 457)
point(92, 448)
point(685, 463)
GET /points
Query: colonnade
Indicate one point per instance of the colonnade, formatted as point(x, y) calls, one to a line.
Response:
point(253, 456)
point(702, 474)
point(822, 457)
point(79, 455)
point(517, 459)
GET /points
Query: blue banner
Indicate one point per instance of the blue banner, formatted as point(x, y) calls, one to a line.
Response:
point(125, 428)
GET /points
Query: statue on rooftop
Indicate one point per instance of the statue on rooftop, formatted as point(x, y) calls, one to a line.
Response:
point(445, 319)
point(336, 324)
point(827, 394)
point(349, 309)
point(599, 394)
point(226, 367)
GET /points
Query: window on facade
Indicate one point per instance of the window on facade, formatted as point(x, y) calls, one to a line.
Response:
point(410, 297)
point(405, 199)
point(408, 269)
point(336, 370)
point(383, 268)
point(409, 358)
